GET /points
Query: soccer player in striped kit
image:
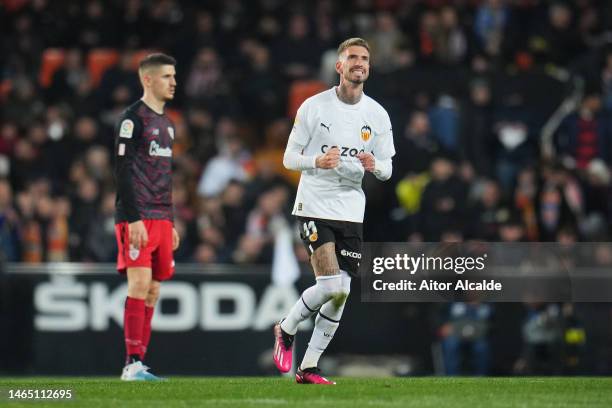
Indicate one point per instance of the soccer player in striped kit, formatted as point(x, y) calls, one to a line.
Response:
point(144, 217)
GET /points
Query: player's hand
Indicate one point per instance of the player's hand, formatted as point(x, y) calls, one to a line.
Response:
point(367, 161)
point(138, 234)
point(175, 239)
point(329, 160)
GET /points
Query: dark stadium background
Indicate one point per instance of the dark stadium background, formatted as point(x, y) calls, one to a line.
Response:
point(502, 118)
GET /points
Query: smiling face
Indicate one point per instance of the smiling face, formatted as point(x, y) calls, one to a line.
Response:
point(353, 64)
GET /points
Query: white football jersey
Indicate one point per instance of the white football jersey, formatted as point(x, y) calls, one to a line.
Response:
point(322, 122)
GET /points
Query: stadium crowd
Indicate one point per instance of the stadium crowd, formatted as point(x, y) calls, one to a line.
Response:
point(502, 116)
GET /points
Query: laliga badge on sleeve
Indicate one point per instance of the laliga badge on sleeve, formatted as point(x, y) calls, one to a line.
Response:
point(126, 129)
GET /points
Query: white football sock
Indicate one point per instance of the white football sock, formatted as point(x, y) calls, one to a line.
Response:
point(311, 300)
point(326, 324)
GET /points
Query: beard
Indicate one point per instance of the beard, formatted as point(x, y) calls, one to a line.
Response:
point(357, 80)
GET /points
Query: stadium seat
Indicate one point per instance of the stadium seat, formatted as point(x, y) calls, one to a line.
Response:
point(300, 91)
point(175, 115)
point(5, 89)
point(138, 56)
point(99, 60)
point(52, 60)
point(13, 6)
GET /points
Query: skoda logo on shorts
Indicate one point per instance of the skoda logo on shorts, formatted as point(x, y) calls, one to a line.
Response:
point(350, 254)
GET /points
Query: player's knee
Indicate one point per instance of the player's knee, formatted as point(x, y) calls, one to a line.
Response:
point(339, 298)
point(331, 286)
point(153, 294)
point(139, 287)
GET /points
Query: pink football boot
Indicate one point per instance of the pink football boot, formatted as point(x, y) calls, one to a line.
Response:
point(311, 376)
point(283, 349)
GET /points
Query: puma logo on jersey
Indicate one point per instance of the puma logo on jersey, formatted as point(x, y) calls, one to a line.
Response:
point(326, 127)
point(344, 150)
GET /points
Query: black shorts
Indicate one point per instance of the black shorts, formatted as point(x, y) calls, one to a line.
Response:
point(347, 236)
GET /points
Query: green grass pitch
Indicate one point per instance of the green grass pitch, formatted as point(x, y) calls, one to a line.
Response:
point(350, 392)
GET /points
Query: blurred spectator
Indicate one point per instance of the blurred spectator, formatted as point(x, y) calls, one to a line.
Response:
point(443, 202)
point(31, 231)
point(257, 243)
point(93, 27)
point(541, 340)
point(262, 88)
point(477, 137)
point(454, 43)
point(10, 242)
point(298, 51)
point(512, 229)
point(58, 235)
point(68, 78)
point(553, 213)
point(24, 103)
point(234, 210)
point(513, 151)
point(525, 202)
point(557, 40)
point(84, 209)
point(465, 344)
point(491, 20)
point(227, 165)
point(386, 40)
point(606, 82)
point(8, 137)
point(210, 224)
point(487, 213)
point(596, 188)
point(100, 242)
point(417, 146)
point(121, 79)
point(585, 135)
point(205, 83)
point(444, 119)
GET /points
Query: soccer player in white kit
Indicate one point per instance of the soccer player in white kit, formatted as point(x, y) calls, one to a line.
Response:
point(338, 135)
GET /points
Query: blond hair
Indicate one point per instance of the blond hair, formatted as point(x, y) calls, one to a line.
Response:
point(355, 41)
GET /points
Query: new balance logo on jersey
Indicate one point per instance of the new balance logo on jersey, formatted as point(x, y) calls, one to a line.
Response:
point(344, 150)
point(156, 150)
point(350, 254)
point(326, 127)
